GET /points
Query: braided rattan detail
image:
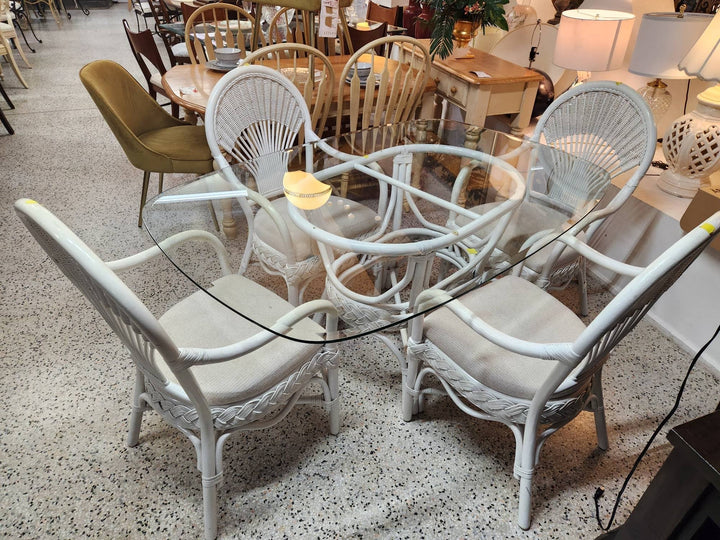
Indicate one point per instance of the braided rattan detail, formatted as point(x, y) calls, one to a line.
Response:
point(184, 415)
point(502, 407)
point(359, 314)
point(275, 262)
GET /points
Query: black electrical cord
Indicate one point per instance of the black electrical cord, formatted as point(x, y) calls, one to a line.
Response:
point(600, 491)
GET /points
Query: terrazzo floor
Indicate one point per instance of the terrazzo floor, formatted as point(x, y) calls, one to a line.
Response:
point(66, 382)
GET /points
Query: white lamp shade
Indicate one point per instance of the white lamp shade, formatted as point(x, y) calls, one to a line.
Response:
point(703, 59)
point(614, 5)
point(663, 40)
point(592, 39)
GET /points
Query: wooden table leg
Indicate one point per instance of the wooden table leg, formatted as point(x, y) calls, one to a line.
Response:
point(522, 118)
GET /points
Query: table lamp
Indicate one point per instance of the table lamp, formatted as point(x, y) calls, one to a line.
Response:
point(304, 191)
point(692, 143)
point(592, 40)
point(662, 41)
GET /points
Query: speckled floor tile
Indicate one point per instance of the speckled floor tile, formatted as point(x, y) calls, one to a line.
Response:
point(65, 471)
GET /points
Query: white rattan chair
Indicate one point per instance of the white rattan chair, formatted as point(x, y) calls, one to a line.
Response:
point(295, 60)
point(604, 123)
point(253, 114)
point(512, 353)
point(206, 370)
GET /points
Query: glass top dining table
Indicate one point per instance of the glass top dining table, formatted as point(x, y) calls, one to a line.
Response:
point(393, 222)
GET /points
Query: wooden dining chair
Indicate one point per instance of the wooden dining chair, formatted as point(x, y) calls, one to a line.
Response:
point(174, 44)
point(359, 37)
point(391, 94)
point(217, 25)
point(43, 4)
point(293, 26)
point(143, 47)
point(376, 12)
point(307, 68)
point(7, 29)
point(142, 10)
point(6, 52)
point(152, 139)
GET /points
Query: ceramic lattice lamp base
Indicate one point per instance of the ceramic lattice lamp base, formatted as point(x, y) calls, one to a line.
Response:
point(692, 147)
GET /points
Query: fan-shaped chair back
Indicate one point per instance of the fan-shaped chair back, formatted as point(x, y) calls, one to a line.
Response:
point(252, 113)
point(607, 124)
point(309, 70)
point(214, 26)
point(389, 95)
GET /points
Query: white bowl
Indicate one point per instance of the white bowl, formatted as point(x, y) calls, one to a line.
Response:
point(227, 56)
point(363, 70)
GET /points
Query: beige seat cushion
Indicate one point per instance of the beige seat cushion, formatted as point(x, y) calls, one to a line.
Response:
point(528, 219)
point(518, 308)
point(201, 321)
point(347, 218)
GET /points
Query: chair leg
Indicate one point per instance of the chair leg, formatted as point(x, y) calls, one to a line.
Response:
point(15, 68)
point(293, 294)
point(332, 382)
point(160, 183)
point(6, 97)
point(599, 412)
point(16, 41)
point(137, 409)
point(210, 479)
point(6, 123)
point(143, 195)
point(525, 473)
point(408, 386)
point(582, 286)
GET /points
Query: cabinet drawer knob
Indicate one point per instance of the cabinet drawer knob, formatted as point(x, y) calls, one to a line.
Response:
point(453, 89)
point(436, 80)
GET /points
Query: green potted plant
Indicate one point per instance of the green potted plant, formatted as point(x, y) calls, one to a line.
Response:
point(460, 20)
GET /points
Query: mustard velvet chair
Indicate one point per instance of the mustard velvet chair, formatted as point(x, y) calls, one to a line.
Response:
point(152, 139)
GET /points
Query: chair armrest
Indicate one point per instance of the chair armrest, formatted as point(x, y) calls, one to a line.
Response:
point(194, 356)
point(170, 243)
point(598, 258)
point(561, 352)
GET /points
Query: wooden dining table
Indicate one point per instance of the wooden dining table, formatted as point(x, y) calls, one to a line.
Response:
point(190, 85)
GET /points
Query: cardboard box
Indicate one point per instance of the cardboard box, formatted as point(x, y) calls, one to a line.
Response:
point(705, 203)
